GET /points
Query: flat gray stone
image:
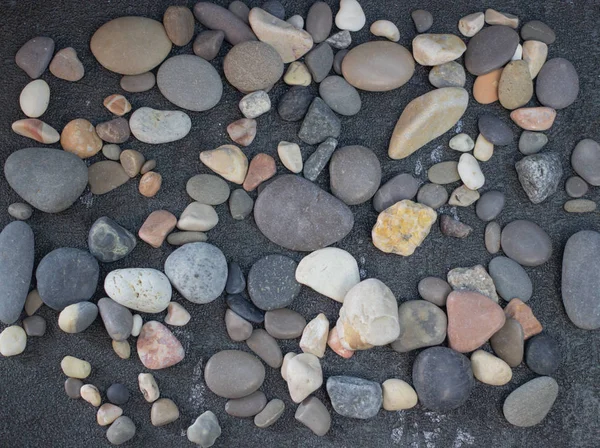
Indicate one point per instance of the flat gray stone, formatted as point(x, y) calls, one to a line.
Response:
point(490, 205)
point(432, 195)
point(557, 84)
point(248, 406)
point(318, 159)
point(72, 387)
point(532, 142)
point(272, 282)
point(233, 374)
point(495, 130)
point(511, 279)
point(539, 175)
point(205, 430)
point(580, 206)
point(354, 174)
point(542, 354)
point(508, 342)
point(266, 348)
point(117, 319)
point(284, 323)
point(529, 404)
point(313, 414)
point(108, 241)
point(342, 97)
point(238, 328)
point(354, 397)
point(490, 48)
point(207, 189)
point(122, 430)
point(319, 61)
point(576, 187)
point(585, 160)
point(526, 243)
point(319, 21)
point(434, 290)
point(114, 131)
point(400, 187)
point(422, 324)
point(270, 414)
point(319, 123)
point(240, 204)
point(35, 55)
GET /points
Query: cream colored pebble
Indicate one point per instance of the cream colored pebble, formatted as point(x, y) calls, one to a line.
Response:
point(484, 149)
point(385, 28)
point(122, 349)
point(148, 387)
point(75, 367)
point(91, 394)
point(398, 395)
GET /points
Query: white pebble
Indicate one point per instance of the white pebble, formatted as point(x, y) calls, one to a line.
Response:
point(351, 16)
point(518, 53)
point(290, 156)
point(141, 289)
point(35, 98)
point(198, 217)
point(284, 364)
point(469, 172)
point(398, 395)
point(91, 394)
point(255, 104)
point(148, 387)
point(484, 149)
point(177, 315)
point(489, 369)
point(385, 28)
point(137, 325)
point(108, 413)
point(462, 142)
point(75, 367)
point(303, 376)
point(471, 24)
point(314, 336)
point(13, 341)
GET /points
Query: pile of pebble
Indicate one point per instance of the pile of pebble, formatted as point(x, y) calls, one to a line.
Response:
point(464, 310)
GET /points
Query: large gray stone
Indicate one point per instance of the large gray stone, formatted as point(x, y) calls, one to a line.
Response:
point(354, 174)
point(557, 84)
point(354, 397)
point(511, 279)
point(529, 404)
point(526, 243)
point(490, 49)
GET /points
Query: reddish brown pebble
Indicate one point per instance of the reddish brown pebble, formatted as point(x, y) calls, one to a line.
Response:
point(156, 227)
point(157, 347)
point(150, 184)
point(36, 130)
point(262, 167)
point(242, 131)
point(179, 24)
point(485, 88)
point(117, 104)
point(114, 131)
point(472, 319)
point(148, 166)
point(80, 138)
point(534, 118)
point(520, 312)
point(333, 341)
point(66, 65)
point(132, 161)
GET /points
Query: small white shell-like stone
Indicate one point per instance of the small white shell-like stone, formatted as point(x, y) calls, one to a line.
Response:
point(13, 341)
point(198, 217)
point(470, 172)
point(314, 336)
point(108, 413)
point(484, 149)
point(351, 16)
point(385, 28)
point(398, 395)
point(91, 394)
point(284, 364)
point(148, 387)
point(137, 325)
point(518, 53)
point(177, 315)
point(141, 289)
point(303, 375)
point(462, 143)
point(35, 98)
point(290, 156)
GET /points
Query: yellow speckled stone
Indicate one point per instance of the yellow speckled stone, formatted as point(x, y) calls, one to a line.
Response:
point(401, 228)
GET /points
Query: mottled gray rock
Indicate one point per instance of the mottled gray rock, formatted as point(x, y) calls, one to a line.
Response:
point(354, 397)
point(121, 431)
point(270, 414)
point(272, 282)
point(473, 279)
point(248, 406)
point(117, 319)
point(532, 142)
point(511, 279)
point(434, 290)
point(319, 61)
point(294, 104)
point(34, 326)
point(422, 324)
point(319, 21)
point(492, 237)
point(20, 211)
point(576, 187)
point(284, 324)
point(354, 174)
point(205, 430)
point(108, 241)
point(490, 48)
point(236, 282)
point(35, 55)
point(526, 243)
point(340, 40)
point(318, 159)
point(529, 404)
point(508, 342)
point(495, 130)
point(454, 228)
point(490, 205)
point(342, 97)
point(432, 195)
point(539, 175)
point(208, 43)
point(233, 374)
point(207, 189)
point(403, 186)
point(313, 414)
point(319, 123)
point(542, 354)
point(422, 19)
point(557, 84)
point(216, 17)
point(536, 30)
point(450, 74)
point(585, 160)
point(240, 204)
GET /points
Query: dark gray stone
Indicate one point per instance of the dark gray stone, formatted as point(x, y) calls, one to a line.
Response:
point(318, 159)
point(233, 374)
point(542, 354)
point(508, 343)
point(117, 394)
point(117, 319)
point(354, 174)
point(585, 160)
point(526, 243)
point(319, 61)
point(432, 195)
point(403, 186)
point(216, 17)
point(442, 378)
point(557, 84)
point(16, 267)
point(495, 130)
point(236, 282)
point(532, 142)
point(241, 10)
point(340, 40)
point(319, 21)
point(313, 218)
point(423, 20)
point(284, 323)
point(35, 56)
point(511, 279)
point(529, 404)
point(434, 290)
point(536, 30)
point(38, 176)
point(66, 276)
point(319, 123)
point(72, 387)
point(248, 406)
point(489, 205)
point(294, 104)
point(240, 204)
point(580, 280)
point(337, 61)
point(490, 48)
point(272, 282)
point(275, 8)
point(266, 348)
point(20, 211)
point(108, 241)
point(354, 397)
point(539, 175)
point(121, 431)
point(340, 95)
point(208, 43)
point(422, 325)
point(34, 326)
point(207, 189)
point(244, 308)
point(576, 187)
point(454, 228)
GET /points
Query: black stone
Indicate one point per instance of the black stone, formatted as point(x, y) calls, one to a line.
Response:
point(294, 104)
point(319, 123)
point(117, 394)
point(236, 283)
point(557, 84)
point(108, 241)
point(272, 282)
point(542, 354)
point(245, 309)
point(495, 130)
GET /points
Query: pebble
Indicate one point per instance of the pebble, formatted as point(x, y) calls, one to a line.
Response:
point(233, 374)
point(557, 84)
point(138, 83)
point(34, 98)
point(122, 349)
point(449, 74)
point(294, 104)
point(511, 279)
point(284, 323)
point(74, 367)
point(13, 340)
point(255, 104)
point(205, 430)
point(530, 403)
point(297, 75)
point(111, 152)
point(156, 227)
point(36, 130)
point(228, 161)
point(543, 355)
point(66, 276)
point(117, 319)
point(208, 43)
point(539, 175)
point(519, 54)
point(20, 211)
point(303, 375)
point(490, 205)
point(240, 204)
point(130, 45)
point(218, 18)
point(148, 387)
point(463, 197)
point(539, 31)
point(492, 237)
point(520, 312)
point(272, 283)
point(330, 271)
point(422, 325)
point(426, 118)
point(106, 176)
point(141, 289)
point(242, 131)
point(265, 347)
point(471, 24)
point(534, 118)
point(137, 325)
point(159, 126)
point(354, 174)
point(262, 168)
point(350, 16)
point(334, 343)
point(290, 156)
point(314, 219)
point(403, 186)
point(490, 370)
point(340, 96)
point(150, 183)
point(132, 161)
point(275, 8)
point(179, 25)
point(434, 290)
point(66, 65)
point(207, 189)
point(108, 413)
point(198, 217)
point(535, 54)
point(490, 49)
point(117, 104)
point(437, 49)
point(485, 88)
point(157, 347)
point(177, 315)
point(454, 228)
point(297, 22)
point(516, 87)
point(576, 187)
point(385, 28)
point(340, 40)
point(432, 195)
point(315, 335)
point(72, 387)
point(117, 394)
point(398, 395)
point(470, 172)
point(163, 412)
point(318, 159)
point(270, 414)
point(313, 414)
point(91, 394)
point(252, 66)
point(121, 431)
point(495, 130)
point(35, 55)
point(473, 279)
point(237, 327)
point(507, 343)
point(532, 142)
point(580, 206)
point(585, 160)
point(240, 10)
point(33, 302)
point(354, 397)
point(248, 406)
point(319, 61)
point(378, 66)
point(493, 17)
point(320, 123)
point(484, 149)
point(319, 21)
point(443, 173)
point(245, 308)
point(236, 283)
point(80, 138)
point(338, 59)
point(290, 42)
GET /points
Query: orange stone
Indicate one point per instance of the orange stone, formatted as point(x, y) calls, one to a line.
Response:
point(150, 184)
point(79, 137)
point(262, 167)
point(157, 347)
point(485, 88)
point(534, 118)
point(523, 314)
point(156, 227)
point(333, 341)
point(242, 131)
point(117, 104)
point(472, 319)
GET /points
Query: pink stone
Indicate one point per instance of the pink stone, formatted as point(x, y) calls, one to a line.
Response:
point(156, 227)
point(157, 347)
point(262, 167)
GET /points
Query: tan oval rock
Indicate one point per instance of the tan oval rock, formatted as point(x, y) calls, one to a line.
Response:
point(485, 88)
point(426, 118)
point(36, 130)
point(150, 183)
point(534, 118)
point(516, 87)
point(489, 369)
point(130, 45)
point(398, 395)
point(437, 49)
point(79, 137)
point(535, 54)
point(227, 160)
point(378, 66)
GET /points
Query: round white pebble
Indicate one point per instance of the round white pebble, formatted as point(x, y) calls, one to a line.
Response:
point(137, 325)
point(470, 172)
point(12, 341)
point(462, 143)
point(35, 98)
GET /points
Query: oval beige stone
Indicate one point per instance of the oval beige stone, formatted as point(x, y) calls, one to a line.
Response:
point(489, 369)
point(229, 161)
point(516, 87)
point(426, 118)
point(130, 45)
point(398, 395)
point(437, 49)
point(378, 66)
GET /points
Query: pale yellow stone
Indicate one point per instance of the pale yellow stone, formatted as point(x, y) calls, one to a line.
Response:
point(314, 336)
point(471, 24)
point(387, 29)
point(297, 74)
point(148, 387)
point(484, 149)
point(290, 155)
point(489, 369)
point(398, 395)
point(108, 413)
point(91, 394)
point(535, 54)
point(401, 228)
point(177, 315)
point(229, 161)
point(426, 118)
point(437, 49)
point(122, 349)
point(75, 367)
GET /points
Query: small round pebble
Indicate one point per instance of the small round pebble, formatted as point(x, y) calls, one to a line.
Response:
point(355, 174)
point(270, 414)
point(576, 187)
point(21, 211)
point(495, 130)
point(122, 349)
point(398, 395)
point(450, 74)
point(557, 84)
point(205, 430)
point(236, 282)
point(313, 413)
point(272, 282)
point(117, 394)
point(489, 369)
point(490, 205)
point(13, 340)
point(294, 104)
point(73, 387)
point(432, 195)
point(529, 404)
point(284, 323)
point(403, 186)
point(585, 160)
point(238, 328)
point(507, 343)
point(122, 430)
point(163, 412)
point(542, 354)
point(266, 347)
point(138, 83)
point(111, 152)
point(443, 173)
point(91, 394)
point(75, 368)
point(462, 143)
point(434, 290)
point(148, 387)
point(319, 61)
point(181, 238)
point(423, 20)
point(108, 413)
point(492, 237)
point(77, 317)
point(138, 322)
point(337, 61)
point(34, 326)
point(532, 142)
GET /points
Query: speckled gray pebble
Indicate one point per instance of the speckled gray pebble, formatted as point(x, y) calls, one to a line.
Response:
point(21, 211)
point(495, 130)
point(529, 404)
point(319, 61)
point(450, 74)
point(354, 397)
point(422, 19)
point(319, 123)
point(35, 55)
point(319, 21)
point(108, 241)
point(580, 206)
point(585, 160)
point(272, 282)
point(121, 430)
point(34, 326)
point(117, 319)
point(423, 324)
point(403, 186)
point(294, 104)
point(576, 187)
point(542, 354)
point(532, 142)
point(340, 95)
point(434, 290)
point(248, 406)
point(208, 43)
point(443, 173)
point(318, 159)
point(557, 84)
point(490, 205)
point(240, 204)
point(207, 189)
point(354, 174)
point(236, 282)
point(117, 394)
point(337, 61)
point(284, 323)
point(511, 279)
point(72, 387)
point(270, 414)
point(492, 237)
point(539, 175)
point(432, 195)
point(526, 243)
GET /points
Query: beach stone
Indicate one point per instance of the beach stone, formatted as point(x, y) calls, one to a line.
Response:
point(484, 149)
point(207, 189)
point(580, 206)
point(507, 343)
point(585, 160)
point(244, 308)
point(108, 413)
point(272, 283)
point(270, 414)
point(490, 205)
point(34, 98)
point(539, 175)
point(294, 104)
point(534, 118)
point(216, 17)
point(36, 130)
point(284, 324)
point(141, 289)
point(422, 324)
point(114, 131)
point(132, 161)
point(198, 217)
point(177, 315)
point(576, 187)
point(262, 168)
point(247, 406)
point(493, 17)
point(20, 211)
point(361, 327)
point(350, 16)
point(130, 45)
point(443, 173)
point(252, 66)
point(105, 176)
point(117, 319)
point(236, 283)
point(240, 204)
point(516, 87)
point(535, 54)
point(79, 137)
point(442, 378)
point(274, 8)
point(72, 387)
point(437, 49)
point(198, 271)
point(121, 431)
point(334, 343)
point(530, 403)
point(157, 347)
point(398, 395)
point(495, 130)
point(536, 30)
point(208, 43)
point(255, 104)
point(319, 61)
point(35, 55)
point(426, 118)
point(314, 336)
point(137, 325)
point(240, 10)
point(354, 397)
point(117, 104)
point(242, 131)
point(452, 227)
point(190, 82)
point(463, 197)
point(338, 59)
point(138, 83)
point(228, 161)
point(318, 159)
point(238, 328)
point(91, 394)
point(340, 40)
point(320, 123)
point(314, 219)
point(265, 347)
point(319, 21)
point(163, 412)
point(313, 414)
point(121, 348)
point(179, 25)
point(117, 394)
point(422, 19)
point(403, 227)
point(159, 126)
point(511, 279)
point(378, 66)
point(233, 374)
point(532, 142)
point(148, 387)
point(474, 279)
point(520, 312)
point(485, 88)
point(432, 195)
point(340, 96)
point(75, 368)
point(434, 290)
point(290, 156)
point(34, 326)
point(543, 355)
point(490, 370)
point(149, 184)
point(557, 84)
point(403, 186)
point(355, 174)
point(385, 28)
point(471, 24)
point(297, 22)
point(449, 74)
point(297, 74)
point(156, 227)
point(111, 152)
point(490, 49)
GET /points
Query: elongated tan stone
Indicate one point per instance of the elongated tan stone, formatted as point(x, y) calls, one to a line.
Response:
point(426, 118)
point(229, 161)
point(534, 118)
point(36, 130)
point(535, 54)
point(516, 87)
point(437, 49)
